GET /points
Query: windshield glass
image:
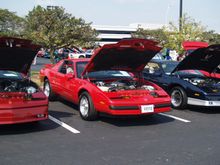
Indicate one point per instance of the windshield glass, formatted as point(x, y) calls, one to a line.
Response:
point(4, 74)
point(101, 74)
point(189, 51)
point(190, 72)
point(80, 67)
point(169, 67)
point(109, 74)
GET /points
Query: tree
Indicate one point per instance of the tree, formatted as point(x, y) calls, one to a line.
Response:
point(170, 36)
point(211, 37)
point(157, 35)
point(54, 29)
point(11, 24)
point(191, 31)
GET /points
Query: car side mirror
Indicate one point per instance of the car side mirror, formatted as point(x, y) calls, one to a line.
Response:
point(70, 76)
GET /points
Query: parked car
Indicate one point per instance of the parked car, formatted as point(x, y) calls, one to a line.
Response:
point(75, 53)
point(110, 82)
point(21, 100)
point(185, 82)
point(89, 53)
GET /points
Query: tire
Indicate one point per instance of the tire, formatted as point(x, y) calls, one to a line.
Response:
point(48, 90)
point(178, 98)
point(86, 107)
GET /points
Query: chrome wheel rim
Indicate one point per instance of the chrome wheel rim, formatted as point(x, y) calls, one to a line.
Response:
point(47, 89)
point(176, 98)
point(84, 106)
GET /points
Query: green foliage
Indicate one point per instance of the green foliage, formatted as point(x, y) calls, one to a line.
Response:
point(54, 28)
point(191, 31)
point(211, 37)
point(10, 23)
point(157, 35)
point(171, 37)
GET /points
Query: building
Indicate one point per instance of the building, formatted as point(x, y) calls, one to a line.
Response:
point(112, 34)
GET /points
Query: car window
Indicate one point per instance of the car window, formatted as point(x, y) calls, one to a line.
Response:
point(168, 67)
point(111, 74)
point(66, 67)
point(80, 66)
point(152, 67)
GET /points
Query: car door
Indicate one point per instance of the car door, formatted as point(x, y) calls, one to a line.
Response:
point(59, 78)
point(70, 81)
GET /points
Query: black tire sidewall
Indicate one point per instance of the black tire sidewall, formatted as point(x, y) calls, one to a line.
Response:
point(92, 113)
point(183, 95)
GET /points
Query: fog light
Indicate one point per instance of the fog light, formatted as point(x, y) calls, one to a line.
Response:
point(40, 115)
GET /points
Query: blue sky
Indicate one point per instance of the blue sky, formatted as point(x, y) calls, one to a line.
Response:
point(125, 12)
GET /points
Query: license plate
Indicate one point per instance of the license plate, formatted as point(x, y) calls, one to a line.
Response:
point(147, 108)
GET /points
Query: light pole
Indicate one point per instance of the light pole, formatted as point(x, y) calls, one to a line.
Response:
point(181, 15)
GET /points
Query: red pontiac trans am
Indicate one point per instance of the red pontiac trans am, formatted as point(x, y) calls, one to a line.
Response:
point(111, 82)
point(21, 100)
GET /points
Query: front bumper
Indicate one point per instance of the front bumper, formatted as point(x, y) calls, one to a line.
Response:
point(206, 103)
point(23, 115)
point(136, 110)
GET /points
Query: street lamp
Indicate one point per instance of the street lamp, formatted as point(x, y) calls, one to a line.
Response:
point(181, 15)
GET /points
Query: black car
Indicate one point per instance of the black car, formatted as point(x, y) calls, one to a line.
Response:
point(185, 82)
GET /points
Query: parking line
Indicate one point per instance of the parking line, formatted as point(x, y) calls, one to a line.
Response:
point(176, 118)
point(71, 129)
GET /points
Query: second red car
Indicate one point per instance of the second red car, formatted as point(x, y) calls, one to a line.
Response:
point(111, 82)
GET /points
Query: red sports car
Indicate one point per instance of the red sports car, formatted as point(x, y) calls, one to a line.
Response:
point(21, 100)
point(111, 82)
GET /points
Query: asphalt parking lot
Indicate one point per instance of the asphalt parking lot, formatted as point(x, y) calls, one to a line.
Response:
point(189, 137)
point(192, 138)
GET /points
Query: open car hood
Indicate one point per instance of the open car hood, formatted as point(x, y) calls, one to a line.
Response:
point(206, 59)
point(16, 54)
point(127, 55)
point(192, 45)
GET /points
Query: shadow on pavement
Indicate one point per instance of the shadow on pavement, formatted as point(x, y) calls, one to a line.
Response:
point(136, 120)
point(69, 104)
point(207, 110)
point(59, 115)
point(27, 127)
point(120, 121)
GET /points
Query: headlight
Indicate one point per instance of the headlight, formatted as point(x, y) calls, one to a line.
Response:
point(31, 90)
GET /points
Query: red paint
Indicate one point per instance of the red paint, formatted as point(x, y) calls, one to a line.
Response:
point(192, 45)
point(70, 89)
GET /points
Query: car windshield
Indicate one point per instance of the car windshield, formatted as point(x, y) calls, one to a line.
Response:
point(4, 74)
point(189, 51)
point(190, 72)
point(111, 74)
point(169, 67)
point(101, 74)
point(80, 67)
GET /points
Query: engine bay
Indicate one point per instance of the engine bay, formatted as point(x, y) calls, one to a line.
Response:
point(121, 85)
point(203, 82)
point(24, 85)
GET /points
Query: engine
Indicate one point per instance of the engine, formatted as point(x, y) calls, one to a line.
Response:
point(121, 85)
point(18, 86)
point(203, 81)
